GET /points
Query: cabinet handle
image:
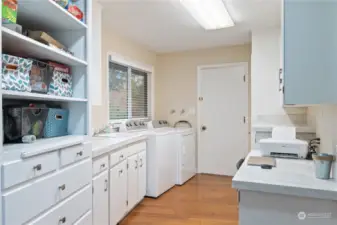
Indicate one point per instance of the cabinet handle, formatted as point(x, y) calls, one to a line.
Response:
point(280, 79)
point(103, 165)
point(62, 187)
point(106, 185)
point(79, 153)
point(38, 167)
point(63, 220)
point(141, 162)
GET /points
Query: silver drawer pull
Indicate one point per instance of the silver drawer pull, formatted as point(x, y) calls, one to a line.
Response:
point(79, 153)
point(105, 185)
point(62, 187)
point(38, 167)
point(63, 220)
point(103, 165)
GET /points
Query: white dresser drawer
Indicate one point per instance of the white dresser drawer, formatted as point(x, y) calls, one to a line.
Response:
point(22, 204)
point(86, 219)
point(118, 156)
point(135, 148)
point(20, 171)
point(100, 165)
point(67, 212)
point(75, 153)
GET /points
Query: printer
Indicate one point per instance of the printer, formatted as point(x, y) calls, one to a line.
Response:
point(283, 144)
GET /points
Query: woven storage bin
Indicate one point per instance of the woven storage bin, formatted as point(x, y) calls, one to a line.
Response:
point(20, 121)
point(15, 73)
point(56, 123)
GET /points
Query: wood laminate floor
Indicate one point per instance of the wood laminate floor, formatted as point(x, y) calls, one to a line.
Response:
point(204, 200)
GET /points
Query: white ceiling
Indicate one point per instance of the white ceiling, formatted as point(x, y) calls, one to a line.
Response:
point(166, 26)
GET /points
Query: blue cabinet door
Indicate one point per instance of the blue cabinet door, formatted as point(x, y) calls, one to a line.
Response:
point(310, 51)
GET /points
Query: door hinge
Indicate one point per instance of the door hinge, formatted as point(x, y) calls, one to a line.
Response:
point(127, 202)
point(92, 189)
point(127, 166)
point(244, 119)
point(244, 78)
point(283, 89)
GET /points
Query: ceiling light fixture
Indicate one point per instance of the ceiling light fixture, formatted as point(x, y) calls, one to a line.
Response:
point(211, 14)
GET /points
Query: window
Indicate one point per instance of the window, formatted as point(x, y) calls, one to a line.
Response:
point(128, 93)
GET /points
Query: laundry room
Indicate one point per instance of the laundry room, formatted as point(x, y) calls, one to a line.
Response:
point(168, 112)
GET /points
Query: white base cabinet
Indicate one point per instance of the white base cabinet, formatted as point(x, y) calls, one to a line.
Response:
point(118, 192)
point(120, 188)
point(101, 198)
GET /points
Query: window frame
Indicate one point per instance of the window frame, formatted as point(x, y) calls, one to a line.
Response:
point(130, 64)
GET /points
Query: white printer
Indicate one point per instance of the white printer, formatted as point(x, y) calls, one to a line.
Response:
point(284, 144)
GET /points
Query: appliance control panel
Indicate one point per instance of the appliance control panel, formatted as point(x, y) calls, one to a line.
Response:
point(157, 124)
point(132, 125)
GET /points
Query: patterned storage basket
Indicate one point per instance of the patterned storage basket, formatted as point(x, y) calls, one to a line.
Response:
point(21, 120)
point(61, 84)
point(15, 73)
point(57, 123)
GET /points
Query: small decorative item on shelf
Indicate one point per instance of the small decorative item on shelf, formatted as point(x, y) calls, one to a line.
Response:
point(40, 76)
point(15, 73)
point(75, 7)
point(61, 83)
point(20, 121)
point(45, 38)
point(57, 123)
point(9, 11)
point(14, 27)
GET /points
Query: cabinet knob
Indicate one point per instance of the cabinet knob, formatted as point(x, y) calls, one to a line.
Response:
point(63, 220)
point(120, 172)
point(103, 165)
point(62, 187)
point(38, 167)
point(79, 153)
point(121, 157)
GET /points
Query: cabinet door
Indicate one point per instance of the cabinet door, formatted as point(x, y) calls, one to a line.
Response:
point(310, 52)
point(142, 175)
point(101, 199)
point(132, 181)
point(118, 192)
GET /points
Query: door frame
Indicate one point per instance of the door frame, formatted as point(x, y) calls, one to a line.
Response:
point(199, 74)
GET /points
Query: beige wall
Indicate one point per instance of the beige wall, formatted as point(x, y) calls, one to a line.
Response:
point(129, 50)
point(176, 78)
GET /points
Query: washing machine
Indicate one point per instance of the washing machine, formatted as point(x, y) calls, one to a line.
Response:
point(160, 162)
point(184, 148)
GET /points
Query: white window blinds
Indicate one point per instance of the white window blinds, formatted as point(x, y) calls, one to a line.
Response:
point(128, 93)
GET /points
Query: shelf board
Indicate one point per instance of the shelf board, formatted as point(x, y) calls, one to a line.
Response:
point(47, 15)
point(6, 94)
point(40, 146)
point(19, 44)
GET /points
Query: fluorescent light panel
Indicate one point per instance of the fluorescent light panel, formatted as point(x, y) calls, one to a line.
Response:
point(211, 14)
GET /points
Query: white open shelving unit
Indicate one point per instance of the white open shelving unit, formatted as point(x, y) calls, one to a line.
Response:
point(48, 16)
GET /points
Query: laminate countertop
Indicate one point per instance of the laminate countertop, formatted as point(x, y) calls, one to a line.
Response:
point(290, 177)
point(102, 145)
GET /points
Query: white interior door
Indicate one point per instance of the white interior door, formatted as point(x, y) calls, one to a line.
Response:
point(223, 125)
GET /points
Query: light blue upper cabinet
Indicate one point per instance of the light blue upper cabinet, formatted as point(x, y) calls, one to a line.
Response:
point(310, 51)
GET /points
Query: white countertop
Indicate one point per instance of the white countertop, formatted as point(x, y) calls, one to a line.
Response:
point(102, 145)
point(290, 177)
point(269, 127)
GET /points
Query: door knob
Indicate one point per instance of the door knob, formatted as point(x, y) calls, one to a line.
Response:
point(203, 128)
